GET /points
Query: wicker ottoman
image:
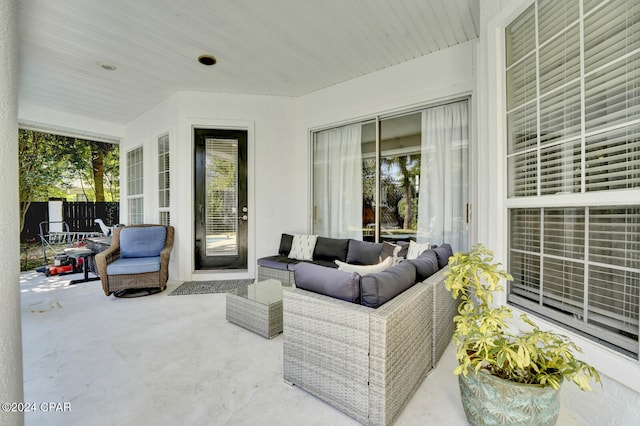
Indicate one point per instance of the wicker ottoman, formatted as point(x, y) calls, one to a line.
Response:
point(257, 307)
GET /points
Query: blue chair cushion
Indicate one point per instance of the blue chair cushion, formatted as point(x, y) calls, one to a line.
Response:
point(134, 265)
point(145, 241)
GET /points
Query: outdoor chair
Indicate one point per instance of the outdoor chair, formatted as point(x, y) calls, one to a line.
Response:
point(137, 260)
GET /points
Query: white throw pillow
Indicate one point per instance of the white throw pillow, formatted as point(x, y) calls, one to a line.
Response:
point(365, 269)
point(416, 249)
point(302, 247)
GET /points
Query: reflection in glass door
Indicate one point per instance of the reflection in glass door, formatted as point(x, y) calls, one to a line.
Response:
point(221, 199)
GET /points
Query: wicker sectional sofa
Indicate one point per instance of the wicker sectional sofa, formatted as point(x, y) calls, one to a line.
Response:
point(365, 361)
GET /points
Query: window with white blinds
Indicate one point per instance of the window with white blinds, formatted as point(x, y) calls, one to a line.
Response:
point(573, 130)
point(163, 179)
point(135, 186)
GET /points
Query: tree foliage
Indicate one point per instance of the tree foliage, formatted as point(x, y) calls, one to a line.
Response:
point(51, 164)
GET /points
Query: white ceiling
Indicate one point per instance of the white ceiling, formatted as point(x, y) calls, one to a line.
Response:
point(269, 47)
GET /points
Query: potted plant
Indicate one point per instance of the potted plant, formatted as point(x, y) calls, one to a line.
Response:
point(506, 376)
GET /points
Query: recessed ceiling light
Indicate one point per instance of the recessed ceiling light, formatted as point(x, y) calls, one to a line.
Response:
point(207, 60)
point(108, 67)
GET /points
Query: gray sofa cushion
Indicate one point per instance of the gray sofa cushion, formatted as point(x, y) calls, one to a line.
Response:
point(426, 264)
point(285, 244)
point(330, 282)
point(331, 249)
point(363, 252)
point(277, 262)
point(443, 253)
point(377, 289)
point(327, 263)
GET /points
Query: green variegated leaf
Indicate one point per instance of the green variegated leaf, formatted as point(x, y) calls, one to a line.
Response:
point(483, 337)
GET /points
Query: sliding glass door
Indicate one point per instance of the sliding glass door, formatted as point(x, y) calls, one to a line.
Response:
point(402, 177)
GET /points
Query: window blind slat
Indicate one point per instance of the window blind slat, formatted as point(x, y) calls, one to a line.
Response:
point(521, 81)
point(578, 265)
point(520, 36)
point(611, 32)
point(589, 5)
point(560, 60)
point(554, 15)
point(522, 128)
point(560, 115)
point(612, 95)
point(561, 170)
point(524, 169)
point(613, 159)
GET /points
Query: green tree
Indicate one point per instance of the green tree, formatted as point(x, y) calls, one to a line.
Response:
point(111, 173)
point(51, 164)
point(97, 163)
point(42, 164)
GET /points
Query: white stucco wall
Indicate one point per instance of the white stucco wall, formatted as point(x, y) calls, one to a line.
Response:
point(274, 161)
point(617, 402)
point(279, 190)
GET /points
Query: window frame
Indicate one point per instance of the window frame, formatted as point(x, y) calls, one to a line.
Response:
point(164, 182)
point(612, 199)
point(135, 185)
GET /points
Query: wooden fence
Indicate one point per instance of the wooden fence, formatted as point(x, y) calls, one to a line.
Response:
point(78, 215)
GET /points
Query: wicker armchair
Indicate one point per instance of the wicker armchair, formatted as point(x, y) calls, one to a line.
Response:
point(138, 258)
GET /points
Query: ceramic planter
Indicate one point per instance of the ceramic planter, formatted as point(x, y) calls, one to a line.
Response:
point(490, 400)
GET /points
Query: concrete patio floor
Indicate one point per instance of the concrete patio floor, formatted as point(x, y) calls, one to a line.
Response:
point(160, 360)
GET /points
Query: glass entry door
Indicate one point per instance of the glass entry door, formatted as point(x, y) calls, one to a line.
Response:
point(221, 211)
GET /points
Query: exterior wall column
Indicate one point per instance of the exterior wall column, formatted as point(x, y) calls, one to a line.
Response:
point(11, 388)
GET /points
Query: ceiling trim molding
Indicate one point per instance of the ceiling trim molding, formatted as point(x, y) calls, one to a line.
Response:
point(67, 131)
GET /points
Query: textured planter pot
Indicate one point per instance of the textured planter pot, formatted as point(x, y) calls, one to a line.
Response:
point(490, 400)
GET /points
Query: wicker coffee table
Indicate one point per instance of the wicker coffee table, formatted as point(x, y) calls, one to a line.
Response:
point(257, 307)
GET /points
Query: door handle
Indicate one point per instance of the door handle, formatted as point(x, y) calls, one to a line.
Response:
point(244, 217)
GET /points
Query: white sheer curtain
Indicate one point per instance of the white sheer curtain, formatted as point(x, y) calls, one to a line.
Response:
point(338, 182)
point(444, 176)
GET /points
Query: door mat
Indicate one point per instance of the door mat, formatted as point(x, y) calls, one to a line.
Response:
point(206, 287)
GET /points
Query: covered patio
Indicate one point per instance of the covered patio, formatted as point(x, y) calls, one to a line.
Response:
point(166, 359)
point(128, 73)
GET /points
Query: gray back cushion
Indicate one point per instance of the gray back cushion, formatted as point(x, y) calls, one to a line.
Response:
point(330, 282)
point(377, 289)
point(426, 264)
point(331, 249)
point(364, 252)
point(443, 253)
point(285, 244)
